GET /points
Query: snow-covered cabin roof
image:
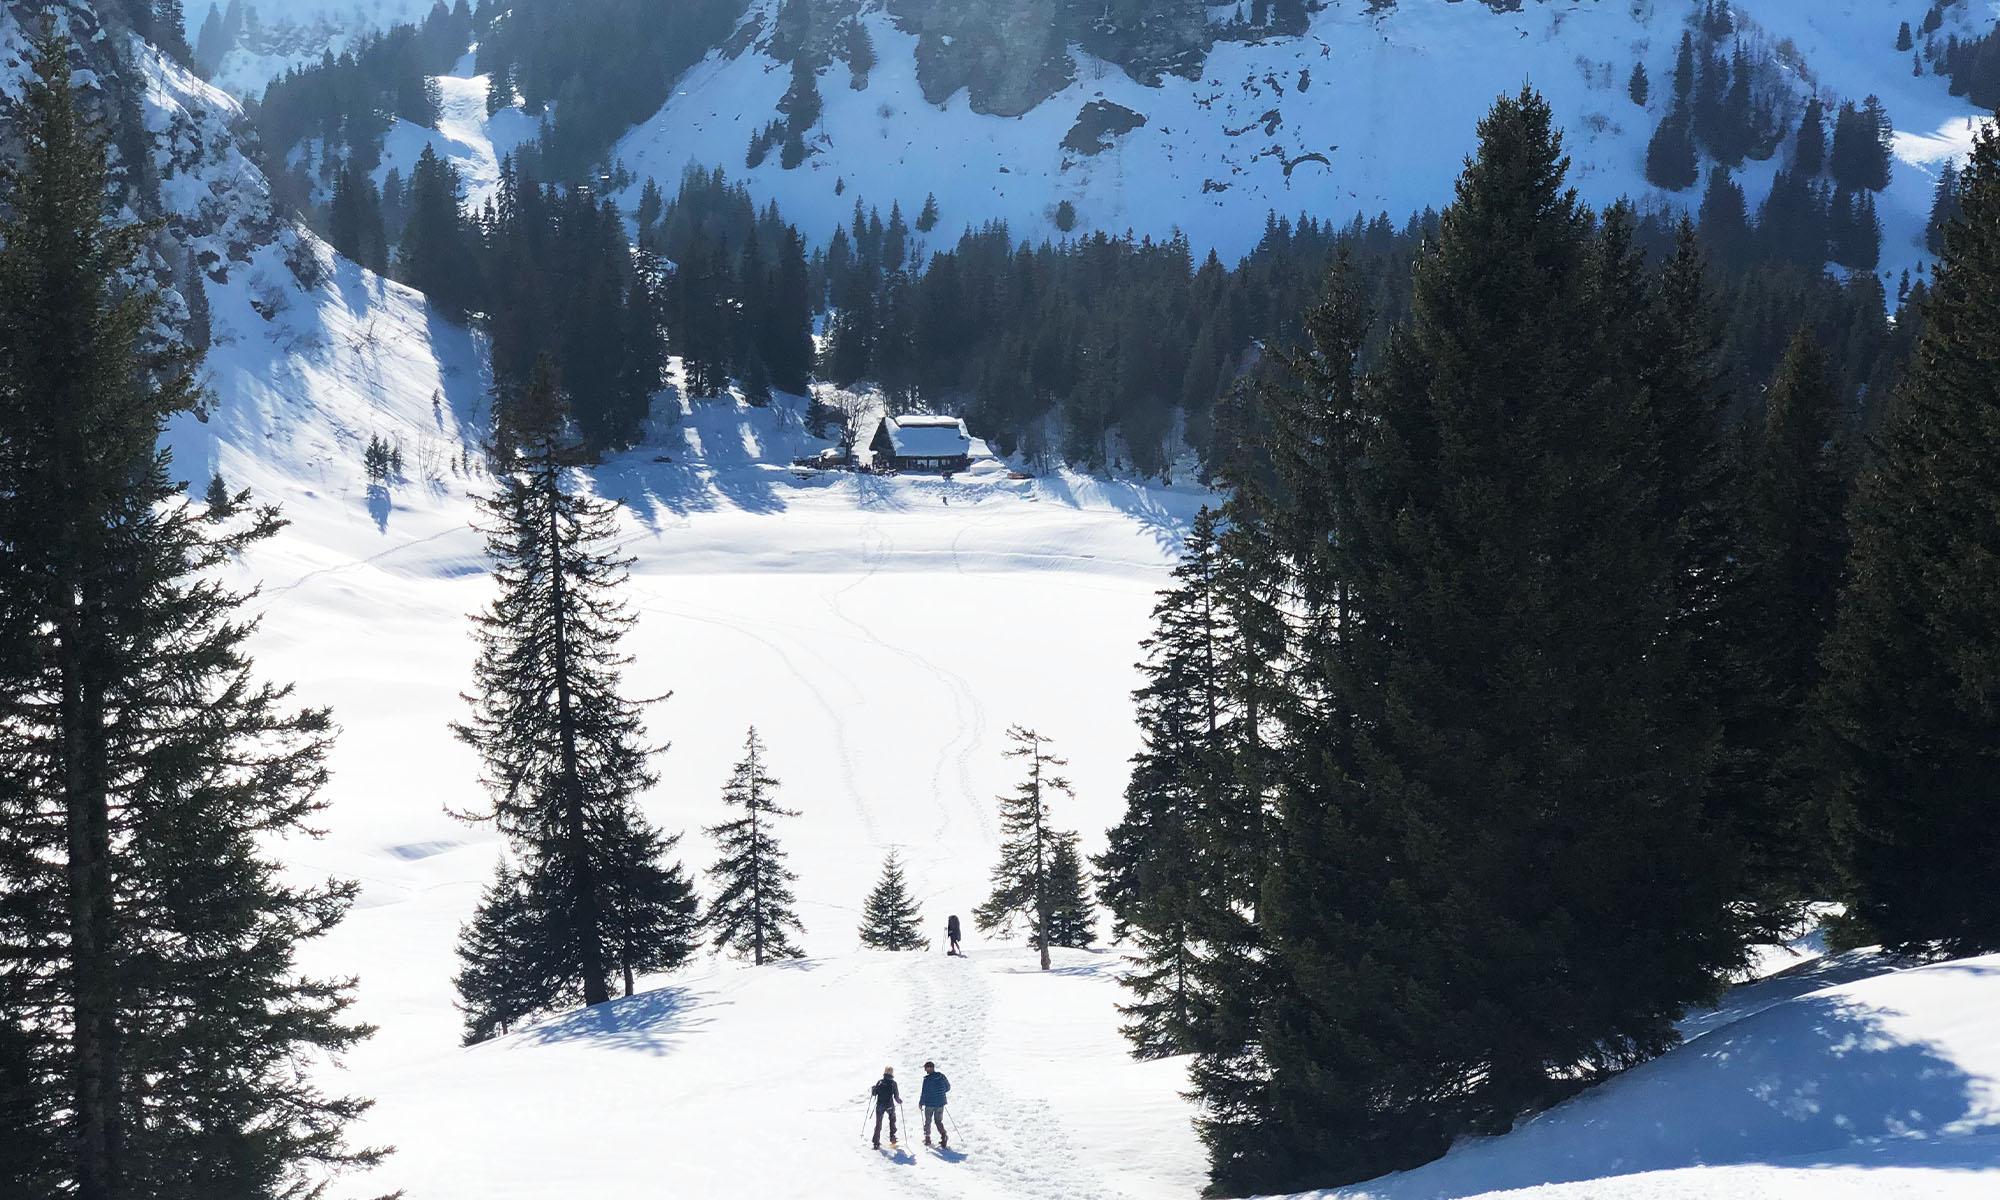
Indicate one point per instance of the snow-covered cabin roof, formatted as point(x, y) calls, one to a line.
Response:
point(928, 436)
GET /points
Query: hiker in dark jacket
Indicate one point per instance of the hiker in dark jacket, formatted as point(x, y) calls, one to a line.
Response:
point(931, 1101)
point(886, 1100)
point(951, 934)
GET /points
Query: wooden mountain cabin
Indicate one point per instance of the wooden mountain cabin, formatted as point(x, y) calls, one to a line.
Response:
point(921, 443)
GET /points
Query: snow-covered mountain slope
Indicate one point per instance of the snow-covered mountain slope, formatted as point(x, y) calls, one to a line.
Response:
point(280, 35)
point(466, 136)
point(310, 354)
point(1365, 113)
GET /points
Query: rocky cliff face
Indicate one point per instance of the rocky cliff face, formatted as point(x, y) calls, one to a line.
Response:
point(1011, 55)
point(180, 158)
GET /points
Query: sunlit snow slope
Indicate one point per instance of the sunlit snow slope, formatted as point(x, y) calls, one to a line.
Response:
point(1366, 113)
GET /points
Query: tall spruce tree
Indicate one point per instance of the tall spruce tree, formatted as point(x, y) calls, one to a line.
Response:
point(1230, 1074)
point(1492, 806)
point(562, 748)
point(1290, 529)
point(889, 917)
point(1912, 682)
point(154, 1012)
point(1809, 157)
point(435, 256)
point(1023, 879)
point(169, 31)
point(1795, 546)
point(753, 912)
point(1158, 872)
point(1945, 208)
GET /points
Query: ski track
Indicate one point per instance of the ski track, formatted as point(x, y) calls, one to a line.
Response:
point(969, 715)
point(850, 775)
point(1015, 1145)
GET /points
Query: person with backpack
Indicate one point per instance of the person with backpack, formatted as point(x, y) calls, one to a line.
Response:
point(930, 1100)
point(951, 935)
point(886, 1100)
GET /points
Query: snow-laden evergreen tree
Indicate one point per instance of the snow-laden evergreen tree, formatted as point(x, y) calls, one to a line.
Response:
point(1023, 879)
point(890, 919)
point(1072, 910)
point(1912, 689)
point(753, 912)
point(562, 749)
point(153, 1015)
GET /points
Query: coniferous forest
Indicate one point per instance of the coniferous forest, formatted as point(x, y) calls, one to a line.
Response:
point(1524, 678)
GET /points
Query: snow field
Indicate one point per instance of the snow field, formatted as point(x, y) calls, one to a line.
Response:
point(752, 1082)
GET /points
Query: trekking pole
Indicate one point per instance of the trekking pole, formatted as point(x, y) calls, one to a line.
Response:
point(864, 1118)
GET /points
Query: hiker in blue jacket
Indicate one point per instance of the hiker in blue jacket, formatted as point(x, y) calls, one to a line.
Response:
point(931, 1101)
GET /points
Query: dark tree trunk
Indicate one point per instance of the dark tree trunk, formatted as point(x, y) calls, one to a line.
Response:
point(582, 872)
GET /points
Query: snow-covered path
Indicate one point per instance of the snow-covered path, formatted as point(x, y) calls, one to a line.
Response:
point(465, 135)
point(1017, 1145)
point(752, 1082)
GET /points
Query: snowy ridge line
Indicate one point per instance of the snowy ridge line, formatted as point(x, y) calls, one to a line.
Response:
point(1366, 113)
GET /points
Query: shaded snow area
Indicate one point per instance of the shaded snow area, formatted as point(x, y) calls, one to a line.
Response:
point(1884, 1086)
point(1363, 114)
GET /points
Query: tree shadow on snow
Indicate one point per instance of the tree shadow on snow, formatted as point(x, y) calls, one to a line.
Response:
point(650, 1022)
point(379, 506)
point(1097, 963)
point(1818, 1078)
point(1748, 999)
point(1167, 525)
